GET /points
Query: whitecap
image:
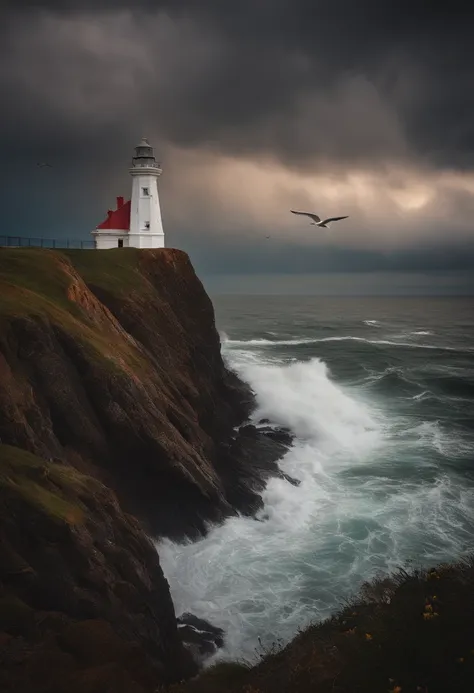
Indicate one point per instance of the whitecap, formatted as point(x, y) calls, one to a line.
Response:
point(370, 498)
point(231, 343)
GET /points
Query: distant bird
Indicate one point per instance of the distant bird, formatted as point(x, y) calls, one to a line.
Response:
point(267, 236)
point(316, 220)
point(43, 165)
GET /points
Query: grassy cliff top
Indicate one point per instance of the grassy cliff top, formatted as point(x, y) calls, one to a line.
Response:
point(32, 275)
point(55, 286)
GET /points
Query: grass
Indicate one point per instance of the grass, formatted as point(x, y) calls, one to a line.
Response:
point(116, 270)
point(39, 271)
point(34, 283)
point(213, 680)
point(409, 633)
point(52, 488)
point(41, 275)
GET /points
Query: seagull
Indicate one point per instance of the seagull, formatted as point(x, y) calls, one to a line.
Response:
point(317, 221)
point(42, 165)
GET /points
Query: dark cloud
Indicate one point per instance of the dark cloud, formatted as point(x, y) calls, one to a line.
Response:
point(297, 79)
point(310, 85)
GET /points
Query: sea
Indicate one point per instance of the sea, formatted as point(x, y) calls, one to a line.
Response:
point(379, 394)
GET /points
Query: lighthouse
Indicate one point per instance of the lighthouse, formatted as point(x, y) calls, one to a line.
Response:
point(136, 223)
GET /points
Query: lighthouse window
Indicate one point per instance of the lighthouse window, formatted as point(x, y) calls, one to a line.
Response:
point(145, 191)
point(147, 224)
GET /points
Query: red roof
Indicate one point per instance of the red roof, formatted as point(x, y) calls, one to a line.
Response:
point(119, 218)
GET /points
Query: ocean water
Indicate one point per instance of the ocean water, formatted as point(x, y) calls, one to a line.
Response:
point(379, 393)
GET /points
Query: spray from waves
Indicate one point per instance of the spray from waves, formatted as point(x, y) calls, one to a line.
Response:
point(309, 403)
point(249, 576)
point(359, 509)
point(372, 323)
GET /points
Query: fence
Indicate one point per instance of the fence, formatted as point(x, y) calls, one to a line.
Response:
point(22, 242)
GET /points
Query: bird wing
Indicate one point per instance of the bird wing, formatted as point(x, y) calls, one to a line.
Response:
point(307, 214)
point(326, 221)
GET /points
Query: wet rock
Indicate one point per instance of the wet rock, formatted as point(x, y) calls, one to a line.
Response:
point(199, 636)
point(290, 479)
point(118, 422)
point(248, 463)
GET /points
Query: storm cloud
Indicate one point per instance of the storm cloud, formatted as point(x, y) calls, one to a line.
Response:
point(360, 108)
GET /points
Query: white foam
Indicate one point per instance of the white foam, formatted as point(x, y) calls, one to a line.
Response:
point(229, 343)
point(356, 511)
point(302, 397)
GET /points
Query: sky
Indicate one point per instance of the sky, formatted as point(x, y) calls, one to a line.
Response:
point(254, 107)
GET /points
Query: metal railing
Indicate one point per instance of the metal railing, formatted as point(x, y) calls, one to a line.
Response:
point(150, 164)
point(26, 242)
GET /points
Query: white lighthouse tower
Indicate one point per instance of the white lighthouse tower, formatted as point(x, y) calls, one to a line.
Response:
point(146, 227)
point(137, 223)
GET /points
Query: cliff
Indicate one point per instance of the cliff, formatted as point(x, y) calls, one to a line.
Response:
point(118, 421)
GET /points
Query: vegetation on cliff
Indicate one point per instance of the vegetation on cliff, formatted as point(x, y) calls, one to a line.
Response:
point(409, 633)
point(117, 422)
point(70, 561)
point(114, 404)
point(112, 362)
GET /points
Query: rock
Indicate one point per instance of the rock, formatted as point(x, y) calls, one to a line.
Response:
point(118, 422)
point(291, 480)
point(199, 636)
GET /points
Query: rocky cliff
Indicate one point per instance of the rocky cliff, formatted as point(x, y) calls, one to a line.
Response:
point(118, 421)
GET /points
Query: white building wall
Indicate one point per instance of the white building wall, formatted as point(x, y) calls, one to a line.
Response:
point(147, 241)
point(109, 238)
point(145, 212)
point(146, 226)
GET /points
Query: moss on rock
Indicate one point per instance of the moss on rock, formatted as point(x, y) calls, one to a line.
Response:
point(50, 487)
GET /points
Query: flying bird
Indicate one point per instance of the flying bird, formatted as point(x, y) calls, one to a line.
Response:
point(42, 165)
point(317, 220)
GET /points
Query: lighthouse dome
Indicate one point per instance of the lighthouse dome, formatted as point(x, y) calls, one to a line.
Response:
point(144, 150)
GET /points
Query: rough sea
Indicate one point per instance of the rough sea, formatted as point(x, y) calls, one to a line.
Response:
point(379, 393)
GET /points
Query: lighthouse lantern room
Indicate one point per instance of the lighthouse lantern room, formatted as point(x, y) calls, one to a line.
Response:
point(136, 223)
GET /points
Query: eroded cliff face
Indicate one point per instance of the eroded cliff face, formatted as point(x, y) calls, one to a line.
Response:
point(115, 404)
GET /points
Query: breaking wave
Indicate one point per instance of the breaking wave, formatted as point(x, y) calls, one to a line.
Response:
point(229, 343)
point(374, 494)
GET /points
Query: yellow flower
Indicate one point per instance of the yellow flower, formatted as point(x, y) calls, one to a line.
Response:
point(396, 689)
point(368, 636)
point(428, 607)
